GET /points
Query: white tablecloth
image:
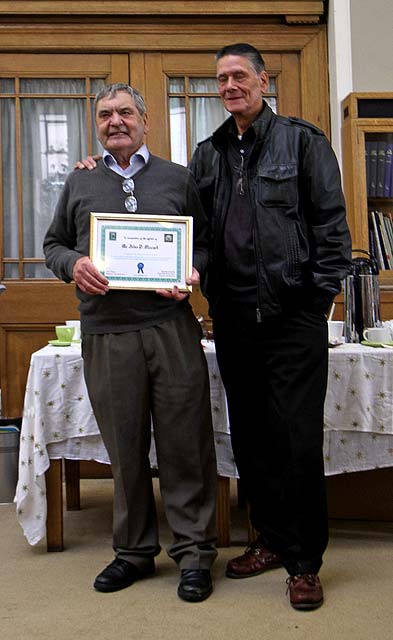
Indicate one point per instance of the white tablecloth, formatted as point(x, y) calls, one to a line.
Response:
point(58, 421)
point(359, 409)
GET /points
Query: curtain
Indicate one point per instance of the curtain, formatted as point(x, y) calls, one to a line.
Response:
point(206, 113)
point(9, 191)
point(53, 137)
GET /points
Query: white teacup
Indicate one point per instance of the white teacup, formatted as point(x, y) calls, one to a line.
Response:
point(377, 334)
point(335, 329)
point(77, 328)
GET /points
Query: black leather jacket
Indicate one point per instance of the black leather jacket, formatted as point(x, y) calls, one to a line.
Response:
point(301, 239)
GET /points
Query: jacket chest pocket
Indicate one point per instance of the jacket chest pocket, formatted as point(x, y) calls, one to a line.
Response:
point(278, 185)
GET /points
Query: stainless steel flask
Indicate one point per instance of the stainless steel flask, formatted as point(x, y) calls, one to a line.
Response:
point(361, 296)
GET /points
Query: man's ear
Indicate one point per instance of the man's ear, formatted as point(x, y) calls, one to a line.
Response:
point(146, 123)
point(264, 81)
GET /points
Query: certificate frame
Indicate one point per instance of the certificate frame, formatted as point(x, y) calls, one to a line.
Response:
point(142, 252)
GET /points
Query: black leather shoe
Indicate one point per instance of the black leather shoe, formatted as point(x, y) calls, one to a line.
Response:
point(195, 585)
point(120, 574)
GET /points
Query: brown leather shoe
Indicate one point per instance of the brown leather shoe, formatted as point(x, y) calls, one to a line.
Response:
point(305, 591)
point(255, 560)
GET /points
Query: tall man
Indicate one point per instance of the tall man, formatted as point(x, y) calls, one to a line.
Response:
point(142, 355)
point(280, 246)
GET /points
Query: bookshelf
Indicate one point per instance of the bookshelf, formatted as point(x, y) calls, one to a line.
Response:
point(367, 134)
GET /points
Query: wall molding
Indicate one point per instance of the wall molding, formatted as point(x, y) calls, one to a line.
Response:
point(284, 8)
point(114, 37)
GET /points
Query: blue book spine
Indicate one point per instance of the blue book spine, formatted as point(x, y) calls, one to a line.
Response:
point(381, 169)
point(373, 168)
point(387, 191)
point(367, 161)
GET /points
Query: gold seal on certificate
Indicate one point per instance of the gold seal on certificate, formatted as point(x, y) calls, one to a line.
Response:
point(142, 251)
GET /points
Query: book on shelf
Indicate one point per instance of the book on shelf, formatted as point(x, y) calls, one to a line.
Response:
point(388, 186)
point(367, 162)
point(386, 247)
point(381, 151)
point(376, 240)
point(372, 242)
point(373, 158)
point(388, 221)
point(380, 253)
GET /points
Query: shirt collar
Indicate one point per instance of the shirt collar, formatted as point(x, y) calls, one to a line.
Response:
point(260, 123)
point(138, 160)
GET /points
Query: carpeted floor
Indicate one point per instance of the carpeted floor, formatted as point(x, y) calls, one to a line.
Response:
point(48, 596)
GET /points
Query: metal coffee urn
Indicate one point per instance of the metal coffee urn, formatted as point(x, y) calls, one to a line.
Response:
point(361, 296)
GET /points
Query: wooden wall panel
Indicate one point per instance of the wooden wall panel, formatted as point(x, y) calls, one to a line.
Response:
point(37, 302)
point(289, 102)
point(314, 84)
point(17, 342)
point(155, 88)
point(28, 316)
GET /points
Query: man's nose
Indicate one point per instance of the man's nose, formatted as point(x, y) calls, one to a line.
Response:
point(230, 84)
point(116, 118)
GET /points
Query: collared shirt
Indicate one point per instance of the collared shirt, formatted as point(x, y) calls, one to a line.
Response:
point(137, 162)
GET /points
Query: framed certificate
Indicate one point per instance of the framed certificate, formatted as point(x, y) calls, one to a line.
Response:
point(142, 251)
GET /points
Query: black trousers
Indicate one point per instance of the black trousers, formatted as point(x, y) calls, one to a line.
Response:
point(275, 377)
point(158, 374)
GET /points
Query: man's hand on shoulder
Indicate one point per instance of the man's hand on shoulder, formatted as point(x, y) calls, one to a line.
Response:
point(90, 162)
point(88, 278)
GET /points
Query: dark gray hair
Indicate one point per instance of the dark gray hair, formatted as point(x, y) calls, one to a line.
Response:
point(245, 50)
point(112, 89)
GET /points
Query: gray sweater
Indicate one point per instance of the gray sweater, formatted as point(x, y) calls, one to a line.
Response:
point(161, 187)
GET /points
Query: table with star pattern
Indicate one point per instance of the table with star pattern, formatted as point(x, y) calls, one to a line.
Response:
point(58, 421)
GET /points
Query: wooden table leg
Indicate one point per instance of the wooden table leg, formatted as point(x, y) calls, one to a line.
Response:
point(72, 475)
point(223, 512)
point(54, 497)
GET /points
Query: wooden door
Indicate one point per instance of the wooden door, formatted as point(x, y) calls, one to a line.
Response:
point(34, 302)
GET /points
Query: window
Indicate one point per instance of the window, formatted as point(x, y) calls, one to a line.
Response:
point(196, 110)
point(46, 125)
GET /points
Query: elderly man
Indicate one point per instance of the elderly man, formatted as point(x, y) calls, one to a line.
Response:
point(272, 193)
point(142, 354)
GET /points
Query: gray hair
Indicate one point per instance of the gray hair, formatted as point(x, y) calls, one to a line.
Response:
point(112, 89)
point(245, 50)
